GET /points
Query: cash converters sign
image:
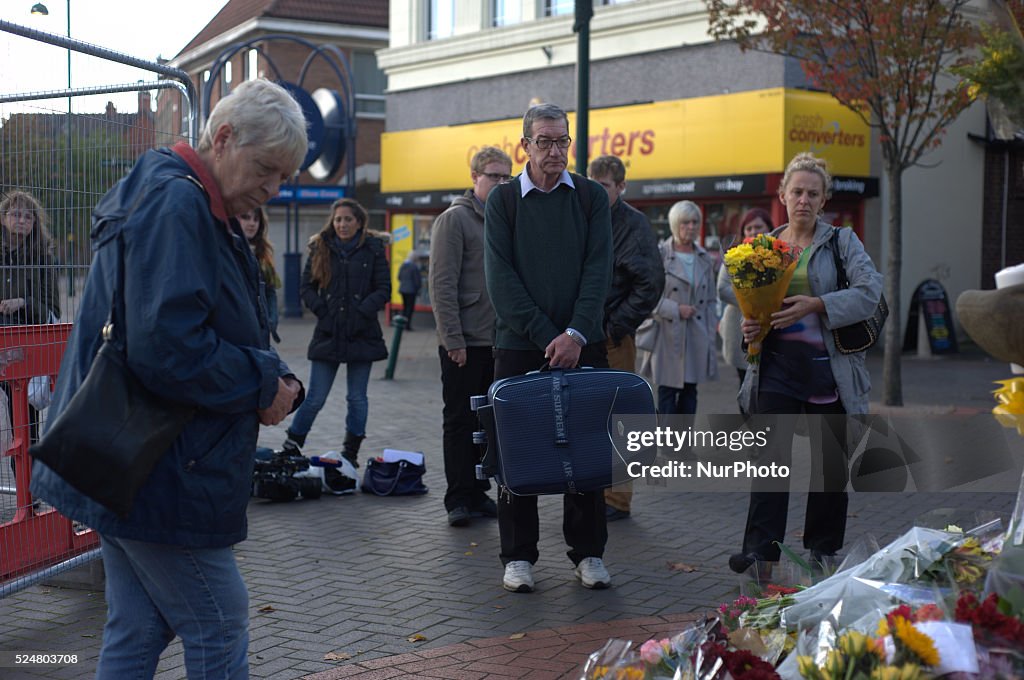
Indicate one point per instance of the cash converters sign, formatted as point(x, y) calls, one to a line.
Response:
point(736, 134)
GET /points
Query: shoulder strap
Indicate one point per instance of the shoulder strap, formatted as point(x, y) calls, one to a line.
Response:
point(508, 199)
point(842, 282)
point(582, 192)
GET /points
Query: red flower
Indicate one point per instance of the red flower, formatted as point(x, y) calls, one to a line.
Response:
point(929, 612)
point(986, 618)
point(741, 664)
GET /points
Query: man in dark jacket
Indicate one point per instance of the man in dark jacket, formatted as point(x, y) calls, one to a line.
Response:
point(409, 283)
point(465, 331)
point(638, 278)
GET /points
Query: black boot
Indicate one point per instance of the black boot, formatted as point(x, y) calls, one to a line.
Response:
point(351, 452)
point(294, 442)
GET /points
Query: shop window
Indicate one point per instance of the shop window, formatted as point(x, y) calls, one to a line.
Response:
point(370, 84)
point(561, 7)
point(506, 12)
point(721, 227)
point(440, 19)
point(554, 8)
point(252, 61)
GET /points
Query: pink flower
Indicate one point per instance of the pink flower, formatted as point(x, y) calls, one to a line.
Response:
point(652, 651)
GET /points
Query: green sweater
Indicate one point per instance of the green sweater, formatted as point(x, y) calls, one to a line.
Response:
point(552, 270)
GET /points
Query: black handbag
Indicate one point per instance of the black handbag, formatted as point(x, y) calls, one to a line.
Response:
point(113, 430)
point(393, 478)
point(864, 334)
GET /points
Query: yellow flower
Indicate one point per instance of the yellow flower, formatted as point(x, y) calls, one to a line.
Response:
point(883, 628)
point(835, 664)
point(808, 669)
point(853, 644)
point(916, 641)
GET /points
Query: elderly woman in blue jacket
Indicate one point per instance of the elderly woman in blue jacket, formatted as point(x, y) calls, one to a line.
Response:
point(801, 371)
point(196, 332)
point(345, 284)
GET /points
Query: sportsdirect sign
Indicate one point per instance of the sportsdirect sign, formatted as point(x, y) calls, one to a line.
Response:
point(724, 136)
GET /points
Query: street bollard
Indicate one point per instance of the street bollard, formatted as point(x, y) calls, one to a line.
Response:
point(399, 323)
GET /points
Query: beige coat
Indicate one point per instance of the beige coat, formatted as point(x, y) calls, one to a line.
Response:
point(458, 292)
point(684, 351)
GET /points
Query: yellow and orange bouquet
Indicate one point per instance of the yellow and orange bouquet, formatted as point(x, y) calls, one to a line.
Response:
point(760, 269)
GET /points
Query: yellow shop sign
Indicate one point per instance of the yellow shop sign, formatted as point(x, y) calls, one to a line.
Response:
point(743, 133)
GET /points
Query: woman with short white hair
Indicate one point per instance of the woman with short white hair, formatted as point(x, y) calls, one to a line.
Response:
point(684, 352)
point(169, 251)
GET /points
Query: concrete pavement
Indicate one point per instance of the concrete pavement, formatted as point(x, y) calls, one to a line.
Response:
point(367, 587)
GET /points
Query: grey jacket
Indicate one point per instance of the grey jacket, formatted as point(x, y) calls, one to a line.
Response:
point(684, 351)
point(458, 291)
point(842, 308)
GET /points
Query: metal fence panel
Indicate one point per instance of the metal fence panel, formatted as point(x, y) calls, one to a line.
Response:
point(57, 159)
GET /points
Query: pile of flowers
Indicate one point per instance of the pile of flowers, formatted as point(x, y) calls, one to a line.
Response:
point(760, 269)
point(934, 603)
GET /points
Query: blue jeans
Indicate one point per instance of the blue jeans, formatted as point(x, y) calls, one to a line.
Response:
point(321, 378)
point(157, 591)
point(674, 401)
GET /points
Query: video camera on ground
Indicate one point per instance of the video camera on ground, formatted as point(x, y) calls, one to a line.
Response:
point(283, 476)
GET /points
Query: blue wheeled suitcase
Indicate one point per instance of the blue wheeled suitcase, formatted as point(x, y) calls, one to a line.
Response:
point(563, 431)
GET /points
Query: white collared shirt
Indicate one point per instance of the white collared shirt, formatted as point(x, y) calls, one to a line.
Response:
point(527, 185)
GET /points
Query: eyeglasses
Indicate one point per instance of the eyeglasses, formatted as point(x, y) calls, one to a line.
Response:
point(495, 176)
point(544, 143)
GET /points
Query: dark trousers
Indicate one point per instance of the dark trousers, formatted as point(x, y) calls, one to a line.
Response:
point(825, 520)
point(676, 401)
point(583, 520)
point(408, 307)
point(460, 453)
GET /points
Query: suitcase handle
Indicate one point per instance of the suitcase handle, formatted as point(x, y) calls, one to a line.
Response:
point(558, 398)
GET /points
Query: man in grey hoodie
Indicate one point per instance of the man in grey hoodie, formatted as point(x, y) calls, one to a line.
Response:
point(465, 330)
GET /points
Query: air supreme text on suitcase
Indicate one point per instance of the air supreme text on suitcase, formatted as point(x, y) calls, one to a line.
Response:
point(563, 431)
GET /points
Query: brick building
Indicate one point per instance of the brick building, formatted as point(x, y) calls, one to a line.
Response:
point(354, 28)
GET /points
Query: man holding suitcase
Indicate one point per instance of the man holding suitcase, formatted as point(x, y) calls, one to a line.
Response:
point(548, 263)
point(465, 330)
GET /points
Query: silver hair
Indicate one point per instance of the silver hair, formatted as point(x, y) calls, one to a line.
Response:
point(261, 113)
point(542, 112)
point(806, 161)
point(681, 210)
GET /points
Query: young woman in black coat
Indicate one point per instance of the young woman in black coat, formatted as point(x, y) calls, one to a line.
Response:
point(345, 284)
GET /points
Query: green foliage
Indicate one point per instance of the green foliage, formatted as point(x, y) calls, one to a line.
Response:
point(999, 71)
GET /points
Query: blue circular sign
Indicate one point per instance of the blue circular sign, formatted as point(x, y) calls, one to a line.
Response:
point(315, 121)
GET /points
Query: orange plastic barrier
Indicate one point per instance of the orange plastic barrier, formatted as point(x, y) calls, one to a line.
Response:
point(34, 539)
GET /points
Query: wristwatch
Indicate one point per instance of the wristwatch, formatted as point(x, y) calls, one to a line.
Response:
point(576, 336)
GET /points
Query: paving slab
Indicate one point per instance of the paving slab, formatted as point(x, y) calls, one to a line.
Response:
point(346, 587)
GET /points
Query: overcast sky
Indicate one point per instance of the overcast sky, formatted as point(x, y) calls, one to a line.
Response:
point(141, 29)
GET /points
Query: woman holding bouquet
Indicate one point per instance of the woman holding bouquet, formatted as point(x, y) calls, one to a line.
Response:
point(684, 352)
point(801, 371)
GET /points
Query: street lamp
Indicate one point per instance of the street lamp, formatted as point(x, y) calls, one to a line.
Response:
point(41, 10)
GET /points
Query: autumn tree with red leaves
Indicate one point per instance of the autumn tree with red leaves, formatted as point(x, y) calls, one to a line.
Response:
point(887, 60)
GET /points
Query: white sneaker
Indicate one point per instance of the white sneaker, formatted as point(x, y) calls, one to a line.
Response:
point(592, 574)
point(518, 577)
